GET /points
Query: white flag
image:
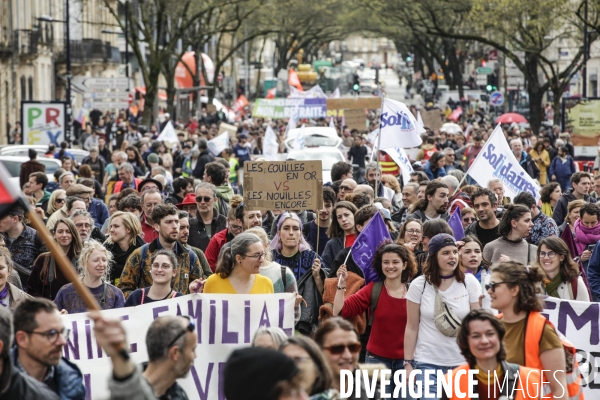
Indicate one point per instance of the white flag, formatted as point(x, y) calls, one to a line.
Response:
point(314, 92)
point(293, 121)
point(218, 144)
point(168, 134)
point(398, 126)
point(331, 123)
point(299, 140)
point(335, 94)
point(399, 156)
point(420, 119)
point(496, 160)
point(270, 144)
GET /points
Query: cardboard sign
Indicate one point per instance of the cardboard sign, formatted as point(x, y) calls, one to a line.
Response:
point(354, 103)
point(232, 130)
point(211, 108)
point(356, 119)
point(283, 185)
point(432, 119)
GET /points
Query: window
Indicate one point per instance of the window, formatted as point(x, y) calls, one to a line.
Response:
point(30, 88)
point(23, 88)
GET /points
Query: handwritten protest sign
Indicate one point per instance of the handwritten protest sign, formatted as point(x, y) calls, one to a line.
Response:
point(223, 324)
point(223, 127)
point(283, 185)
point(579, 322)
point(432, 119)
point(356, 119)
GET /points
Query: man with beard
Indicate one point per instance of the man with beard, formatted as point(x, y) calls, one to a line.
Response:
point(40, 335)
point(184, 235)
point(485, 204)
point(409, 197)
point(208, 222)
point(322, 223)
point(166, 222)
point(171, 344)
point(435, 203)
point(373, 176)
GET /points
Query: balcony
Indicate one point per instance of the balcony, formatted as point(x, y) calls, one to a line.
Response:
point(89, 50)
point(25, 41)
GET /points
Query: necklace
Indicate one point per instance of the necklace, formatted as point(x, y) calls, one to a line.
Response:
point(389, 294)
point(447, 276)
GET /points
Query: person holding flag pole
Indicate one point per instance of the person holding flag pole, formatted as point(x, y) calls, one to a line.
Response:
point(10, 198)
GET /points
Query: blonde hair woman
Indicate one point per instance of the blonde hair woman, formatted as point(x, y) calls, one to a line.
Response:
point(392, 183)
point(10, 295)
point(56, 201)
point(94, 271)
point(125, 235)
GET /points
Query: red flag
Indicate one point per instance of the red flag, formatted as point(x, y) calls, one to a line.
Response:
point(271, 93)
point(240, 103)
point(10, 196)
point(455, 114)
point(293, 80)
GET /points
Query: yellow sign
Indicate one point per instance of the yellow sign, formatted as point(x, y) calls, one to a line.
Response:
point(584, 118)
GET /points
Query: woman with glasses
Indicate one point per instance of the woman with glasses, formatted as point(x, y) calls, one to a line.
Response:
point(163, 270)
point(94, 262)
point(10, 295)
point(514, 227)
point(467, 216)
point(316, 374)
point(411, 235)
point(290, 249)
point(514, 291)
point(46, 277)
point(395, 266)
point(238, 270)
point(57, 200)
point(563, 279)
point(340, 345)
point(437, 302)
point(342, 231)
point(480, 340)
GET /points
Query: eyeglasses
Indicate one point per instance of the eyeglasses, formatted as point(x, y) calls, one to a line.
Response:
point(60, 200)
point(451, 155)
point(340, 348)
point(470, 219)
point(87, 199)
point(82, 225)
point(414, 232)
point(257, 256)
point(346, 188)
point(203, 199)
point(162, 266)
point(236, 228)
point(492, 286)
point(190, 328)
point(53, 334)
point(549, 254)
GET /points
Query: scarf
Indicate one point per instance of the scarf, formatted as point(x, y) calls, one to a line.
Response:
point(585, 236)
point(551, 286)
point(3, 295)
point(547, 209)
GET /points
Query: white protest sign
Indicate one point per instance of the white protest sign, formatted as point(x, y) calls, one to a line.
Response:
point(168, 134)
point(270, 144)
point(218, 144)
point(579, 322)
point(398, 126)
point(496, 160)
point(223, 324)
point(399, 156)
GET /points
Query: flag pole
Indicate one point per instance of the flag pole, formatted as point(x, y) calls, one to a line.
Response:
point(318, 230)
point(379, 148)
point(64, 264)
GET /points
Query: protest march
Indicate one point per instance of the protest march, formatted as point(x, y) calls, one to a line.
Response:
point(252, 265)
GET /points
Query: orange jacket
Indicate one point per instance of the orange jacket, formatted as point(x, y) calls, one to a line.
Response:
point(530, 376)
point(119, 185)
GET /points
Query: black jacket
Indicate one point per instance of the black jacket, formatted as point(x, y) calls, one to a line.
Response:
point(198, 236)
point(204, 158)
point(16, 385)
point(560, 209)
point(420, 215)
point(332, 249)
point(309, 312)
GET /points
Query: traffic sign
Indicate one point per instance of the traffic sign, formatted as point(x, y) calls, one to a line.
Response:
point(106, 95)
point(106, 105)
point(485, 71)
point(496, 99)
point(103, 83)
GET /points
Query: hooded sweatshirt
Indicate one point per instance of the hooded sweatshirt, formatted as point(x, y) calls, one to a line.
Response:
point(224, 195)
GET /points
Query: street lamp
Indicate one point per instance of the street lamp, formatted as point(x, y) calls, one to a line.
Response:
point(47, 18)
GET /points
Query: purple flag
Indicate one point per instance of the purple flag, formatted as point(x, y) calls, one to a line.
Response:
point(366, 244)
point(456, 224)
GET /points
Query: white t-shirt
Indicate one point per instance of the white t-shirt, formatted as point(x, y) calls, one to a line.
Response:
point(433, 347)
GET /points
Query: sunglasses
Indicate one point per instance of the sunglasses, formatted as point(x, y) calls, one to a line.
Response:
point(346, 188)
point(340, 348)
point(190, 328)
point(492, 286)
point(470, 219)
point(60, 200)
point(203, 199)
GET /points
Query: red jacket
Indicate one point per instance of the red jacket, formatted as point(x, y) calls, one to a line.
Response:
point(149, 232)
point(214, 248)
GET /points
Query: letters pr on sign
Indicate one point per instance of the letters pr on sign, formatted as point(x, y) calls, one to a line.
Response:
point(283, 185)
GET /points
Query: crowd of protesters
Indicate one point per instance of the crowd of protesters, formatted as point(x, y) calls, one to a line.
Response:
point(142, 220)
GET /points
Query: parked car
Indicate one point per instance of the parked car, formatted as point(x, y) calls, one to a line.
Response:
point(23, 150)
point(13, 165)
point(328, 155)
point(317, 136)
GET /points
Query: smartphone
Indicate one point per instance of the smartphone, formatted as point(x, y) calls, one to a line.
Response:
point(591, 247)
